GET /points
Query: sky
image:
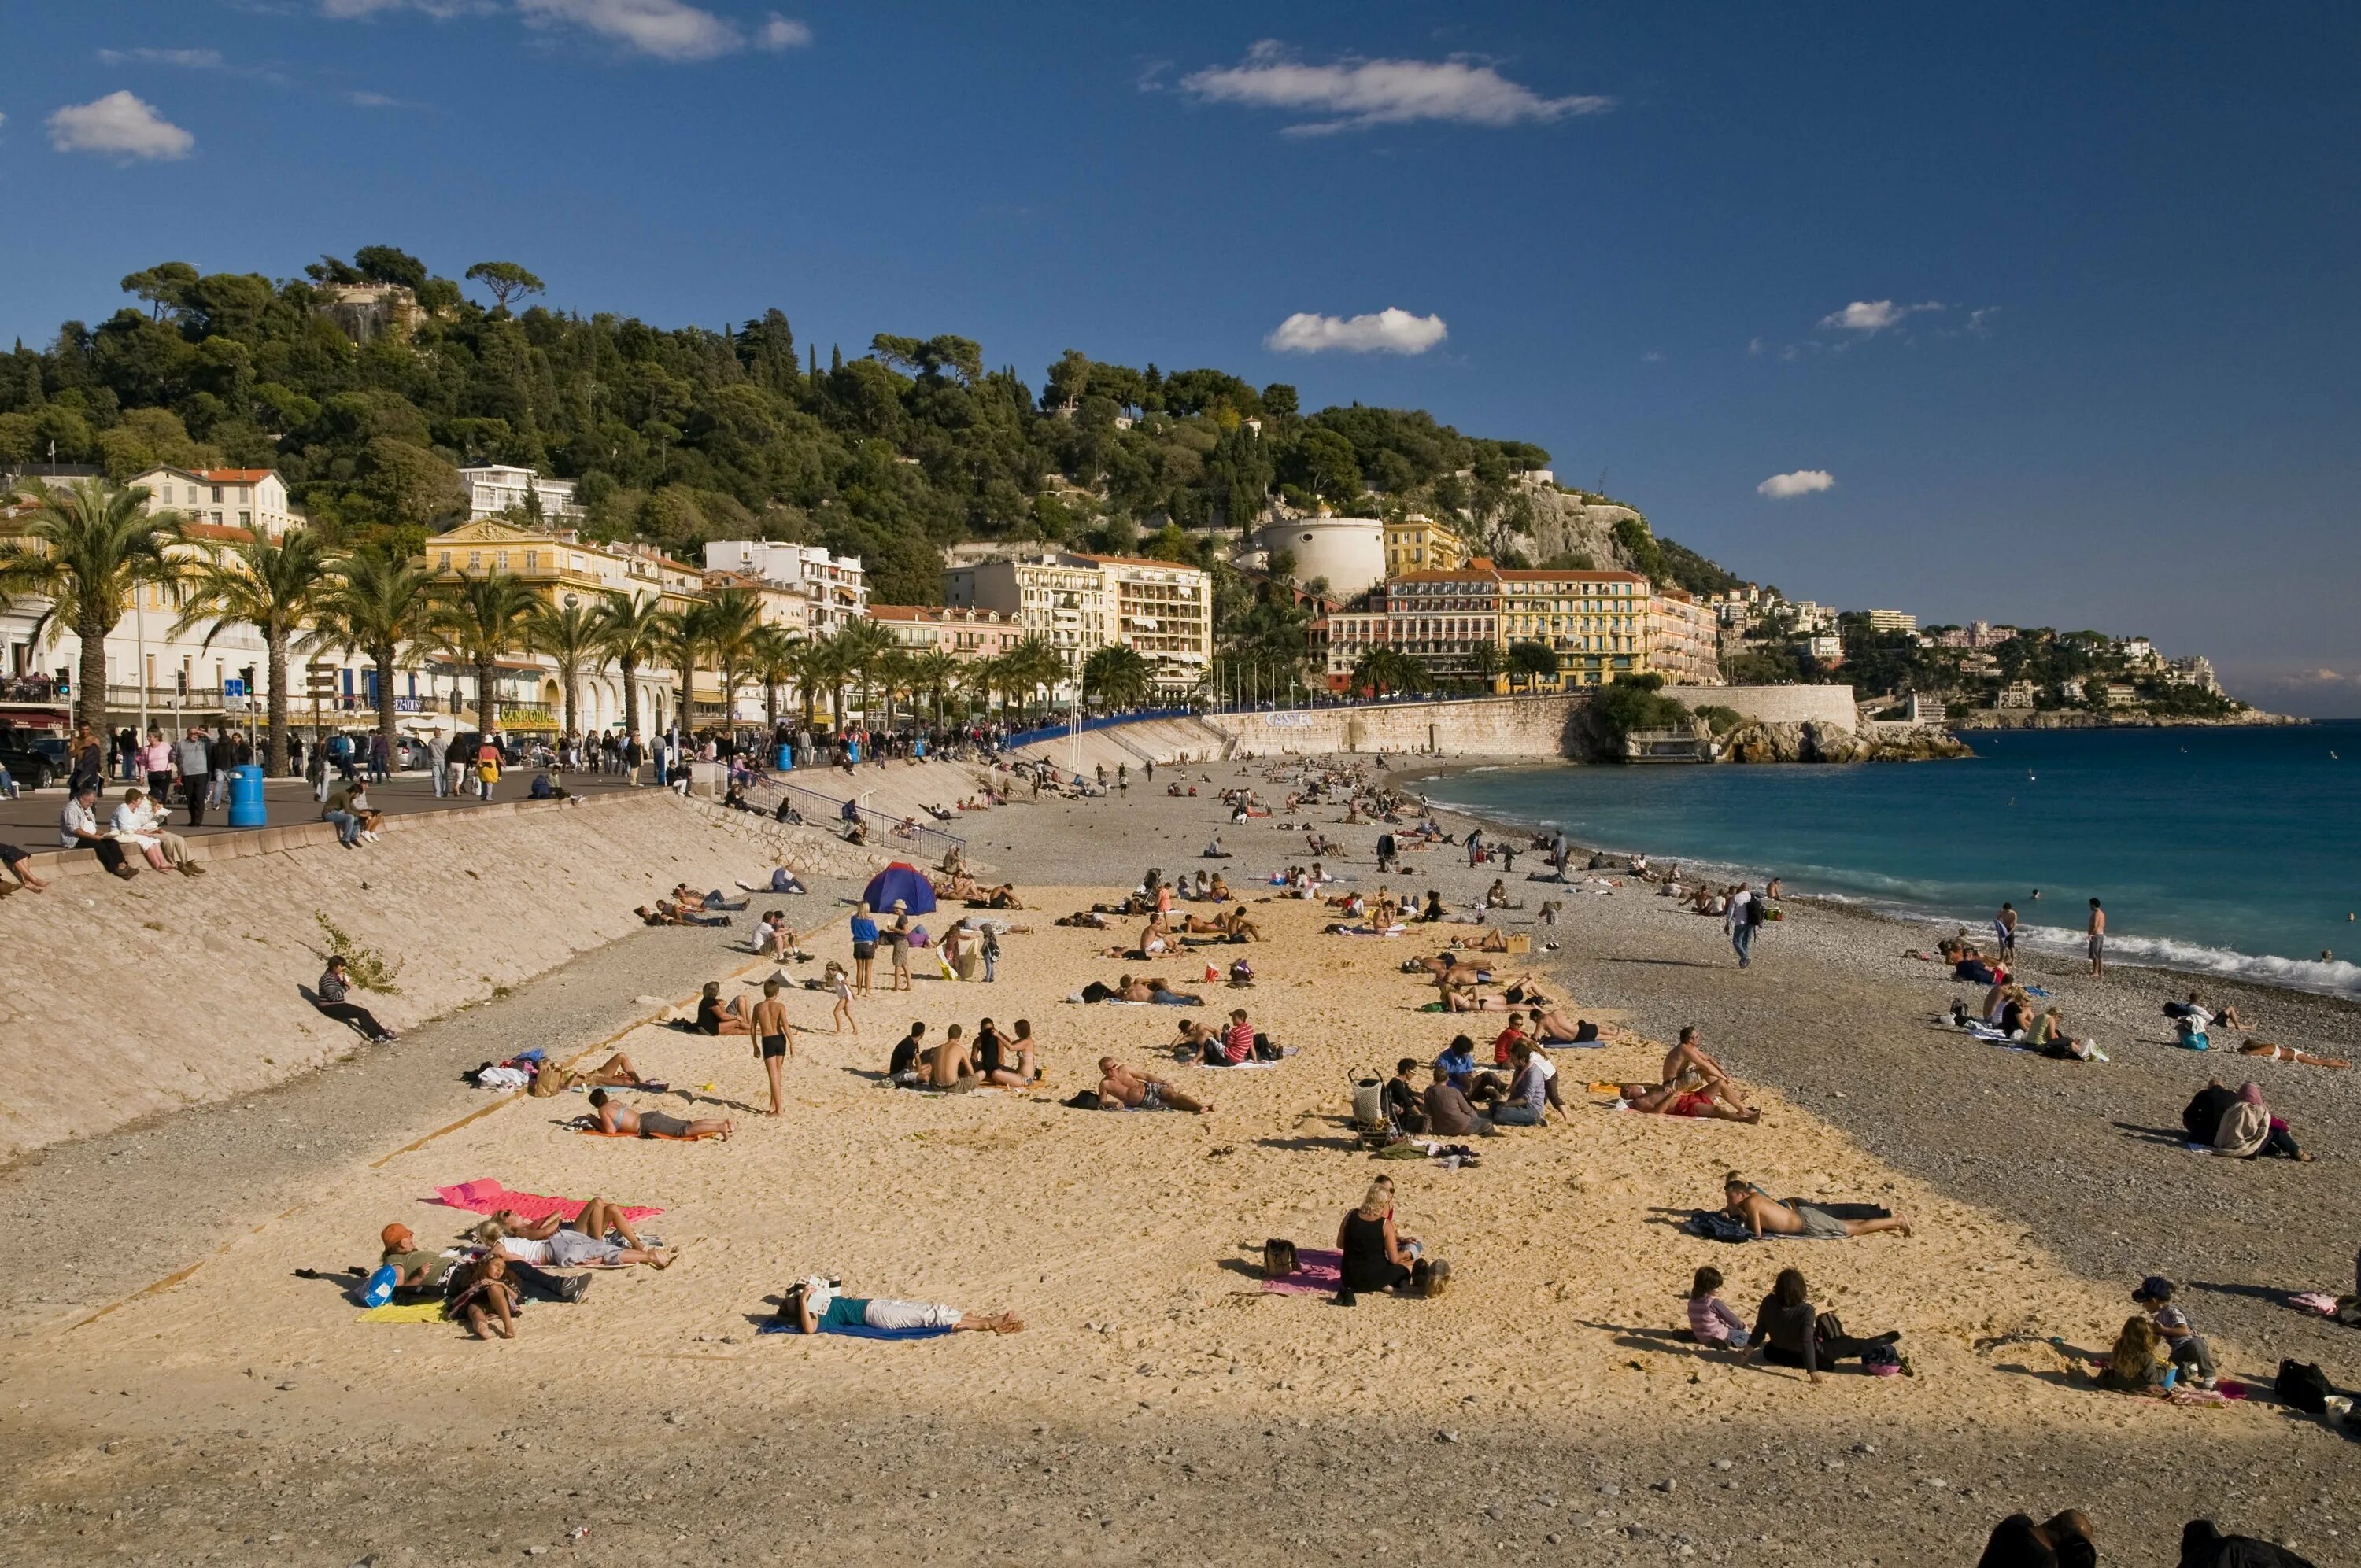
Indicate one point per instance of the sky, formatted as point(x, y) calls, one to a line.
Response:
point(1994, 312)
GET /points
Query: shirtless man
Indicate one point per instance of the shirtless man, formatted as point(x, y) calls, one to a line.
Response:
point(1122, 1089)
point(1768, 1216)
point(1689, 1055)
point(948, 1065)
point(774, 1040)
point(1459, 996)
point(618, 1116)
point(1714, 1098)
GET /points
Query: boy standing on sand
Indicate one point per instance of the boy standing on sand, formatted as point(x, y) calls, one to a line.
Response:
point(2098, 934)
point(2004, 928)
point(774, 1038)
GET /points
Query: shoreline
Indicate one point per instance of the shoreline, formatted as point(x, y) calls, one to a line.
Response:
point(2128, 953)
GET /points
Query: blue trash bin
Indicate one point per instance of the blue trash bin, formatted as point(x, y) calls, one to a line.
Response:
point(786, 760)
point(852, 751)
point(921, 745)
point(246, 796)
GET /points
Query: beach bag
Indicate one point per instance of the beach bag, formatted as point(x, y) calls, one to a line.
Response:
point(379, 1289)
point(1715, 1225)
point(1368, 1099)
point(1278, 1258)
point(2302, 1385)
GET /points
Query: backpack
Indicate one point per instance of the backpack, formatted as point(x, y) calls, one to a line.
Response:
point(1279, 1257)
point(1755, 910)
point(2305, 1385)
point(1715, 1225)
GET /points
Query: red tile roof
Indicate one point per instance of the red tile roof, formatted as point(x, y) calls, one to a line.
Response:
point(235, 475)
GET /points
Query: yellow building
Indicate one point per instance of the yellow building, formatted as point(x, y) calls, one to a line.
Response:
point(1596, 622)
point(1419, 543)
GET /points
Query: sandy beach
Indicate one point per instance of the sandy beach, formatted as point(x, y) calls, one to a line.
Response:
point(1161, 1407)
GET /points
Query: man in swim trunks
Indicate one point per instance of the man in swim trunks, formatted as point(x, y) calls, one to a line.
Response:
point(1690, 1096)
point(1768, 1216)
point(774, 1039)
point(1689, 1055)
point(618, 1116)
point(2097, 932)
point(1121, 1089)
point(815, 1305)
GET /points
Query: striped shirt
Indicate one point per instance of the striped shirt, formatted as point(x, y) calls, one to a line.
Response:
point(332, 988)
point(1711, 1322)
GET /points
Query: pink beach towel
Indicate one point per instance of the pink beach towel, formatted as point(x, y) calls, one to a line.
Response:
point(485, 1196)
point(1318, 1272)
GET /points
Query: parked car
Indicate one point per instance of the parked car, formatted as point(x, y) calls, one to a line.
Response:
point(34, 758)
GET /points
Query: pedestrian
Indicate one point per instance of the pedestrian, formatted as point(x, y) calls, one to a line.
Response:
point(488, 764)
point(380, 759)
point(438, 762)
point(2097, 931)
point(1741, 919)
point(990, 951)
point(194, 756)
point(2004, 928)
point(225, 748)
point(634, 755)
point(773, 1040)
point(156, 762)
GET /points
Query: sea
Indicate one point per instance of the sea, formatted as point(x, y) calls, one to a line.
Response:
point(2233, 851)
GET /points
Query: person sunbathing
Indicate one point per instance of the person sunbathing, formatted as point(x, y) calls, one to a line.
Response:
point(1493, 940)
point(578, 1242)
point(1460, 996)
point(615, 1072)
point(619, 1116)
point(815, 1305)
point(1122, 1089)
point(1768, 1216)
point(1450, 966)
point(1712, 1098)
point(662, 914)
point(2265, 1050)
point(1193, 926)
point(1238, 927)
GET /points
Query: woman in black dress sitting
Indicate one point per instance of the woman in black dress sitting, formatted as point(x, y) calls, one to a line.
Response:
point(1375, 1257)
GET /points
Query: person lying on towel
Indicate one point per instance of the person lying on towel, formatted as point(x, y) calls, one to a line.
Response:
point(618, 1116)
point(817, 1305)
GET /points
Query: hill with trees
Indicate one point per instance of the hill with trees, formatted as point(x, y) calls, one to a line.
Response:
point(677, 435)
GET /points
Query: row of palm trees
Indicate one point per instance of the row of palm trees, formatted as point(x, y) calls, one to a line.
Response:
point(89, 549)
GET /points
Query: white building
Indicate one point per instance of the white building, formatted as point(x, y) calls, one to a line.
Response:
point(1063, 599)
point(835, 588)
point(1348, 552)
point(1892, 620)
point(496, 488)
point(251, 498)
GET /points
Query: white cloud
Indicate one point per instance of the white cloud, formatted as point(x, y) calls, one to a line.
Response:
point(1875, 315)
point(193, 59)
point(372, 101)
point(666, 29)
point(782, 32)
point(1390, 331)
point(1802, 482)
point(119, 126)
point(1354, 94)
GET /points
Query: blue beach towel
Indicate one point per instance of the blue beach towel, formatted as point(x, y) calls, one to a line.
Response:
point(858, 1331)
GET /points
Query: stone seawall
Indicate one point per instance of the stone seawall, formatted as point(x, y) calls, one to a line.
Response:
point(124, 999)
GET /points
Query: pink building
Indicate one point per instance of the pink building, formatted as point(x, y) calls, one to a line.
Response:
point(968, 635)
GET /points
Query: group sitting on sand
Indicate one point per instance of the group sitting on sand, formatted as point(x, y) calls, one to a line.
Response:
point(1788, 1330)
point(1693, 1084)
point(957, 1065)
point(2239, 1123)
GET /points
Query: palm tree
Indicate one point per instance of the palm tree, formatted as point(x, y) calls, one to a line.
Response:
point(1383, 670)
point(774, 660)
point(815, 670)
point(572, 637)
point(1031, 665)
point(931, 671)
point(378, 605)
point(88, 550)
point(861, 648)
point(683, 635)
point(731, 619)
point(632, 632)
point(478, 619)
point(1122, 676)
point(274, 587)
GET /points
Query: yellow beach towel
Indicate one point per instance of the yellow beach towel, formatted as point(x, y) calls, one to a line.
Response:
point(403, 1313)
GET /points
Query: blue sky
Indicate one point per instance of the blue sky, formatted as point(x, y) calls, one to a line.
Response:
point(2063, 307)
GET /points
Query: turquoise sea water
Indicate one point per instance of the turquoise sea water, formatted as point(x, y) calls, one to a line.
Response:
point(2231, 851)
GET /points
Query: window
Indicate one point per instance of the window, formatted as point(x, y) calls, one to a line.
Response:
point(475, 560)
point(502, 562)
point(217, 496)
point(531, 560)
point(246, 520)
point(444, 564)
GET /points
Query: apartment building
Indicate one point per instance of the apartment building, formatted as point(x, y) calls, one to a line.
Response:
point(967, 635)
point(1419, 543)
point(1062, 600)
point(1892, 620)
point(497, 490)
point(1164, 611)
point(1596, 622)
point(834, 588)
point(1441, 618)
point(1684, 645)
point(250, 499)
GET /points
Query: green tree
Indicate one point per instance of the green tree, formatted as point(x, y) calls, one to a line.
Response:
point(683, 633)
point(1386, 671)
point(274, 586)
point(476, 621)
point(574, 637)
point(633, 629)
point(504, 280)
point(772, 659)
point(378, 606)
point(87, 549)
point(1533, 661)
point(934, 672)
point(732, 618)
